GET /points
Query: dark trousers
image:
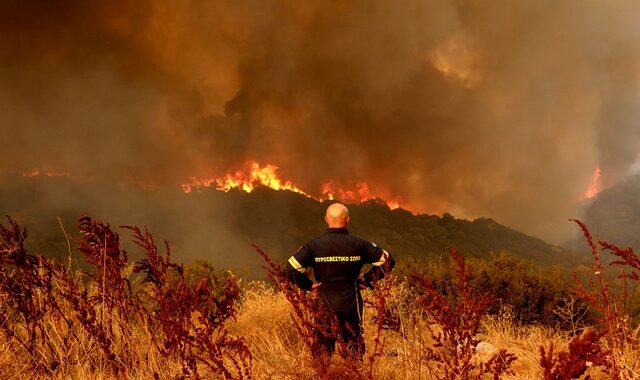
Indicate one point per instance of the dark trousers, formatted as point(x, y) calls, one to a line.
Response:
point(345, 327)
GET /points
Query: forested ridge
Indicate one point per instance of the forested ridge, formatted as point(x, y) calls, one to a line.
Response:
point(219, 227)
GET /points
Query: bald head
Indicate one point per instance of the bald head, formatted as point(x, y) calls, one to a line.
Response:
point(337, 216)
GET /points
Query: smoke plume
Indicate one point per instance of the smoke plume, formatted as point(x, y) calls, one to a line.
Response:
point(500, 109)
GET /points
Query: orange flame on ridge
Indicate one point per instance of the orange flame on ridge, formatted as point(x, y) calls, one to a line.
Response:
point(257, 176)
point(35, 172)
point(267, 176)
point(360, 194)
point(594, 185)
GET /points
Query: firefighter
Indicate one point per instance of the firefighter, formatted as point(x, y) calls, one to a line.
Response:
point(337, 258)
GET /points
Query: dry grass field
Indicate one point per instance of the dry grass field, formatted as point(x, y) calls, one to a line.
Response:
point(278, 353)
point(154, 320)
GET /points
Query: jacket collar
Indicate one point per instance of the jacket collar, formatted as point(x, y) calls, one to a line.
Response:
point(341, 230)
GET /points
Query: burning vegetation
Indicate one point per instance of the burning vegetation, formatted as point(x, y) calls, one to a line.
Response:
point(418, 102)
point(595, 185)
point(267, 175)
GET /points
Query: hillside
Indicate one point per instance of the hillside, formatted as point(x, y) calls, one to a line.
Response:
point(219, 226)
point(615, 213)
point(398, 230)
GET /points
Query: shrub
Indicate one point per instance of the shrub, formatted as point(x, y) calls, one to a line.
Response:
point(454, 325)
point(533, 295)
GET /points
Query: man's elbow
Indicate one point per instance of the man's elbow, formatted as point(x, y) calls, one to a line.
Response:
point(300, 279)
point(391, 262)
point(291, 274)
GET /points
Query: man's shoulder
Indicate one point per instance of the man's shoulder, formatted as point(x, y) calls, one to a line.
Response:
point(313, 242)
point(366, 244)
point(345, 236)
point(318, 238)
point(328, 235)
point(358, 239)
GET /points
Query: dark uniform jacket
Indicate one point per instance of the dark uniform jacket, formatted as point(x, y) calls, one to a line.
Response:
point(337, 258)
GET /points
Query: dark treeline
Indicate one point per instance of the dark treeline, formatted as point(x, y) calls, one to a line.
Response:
point(219, 227)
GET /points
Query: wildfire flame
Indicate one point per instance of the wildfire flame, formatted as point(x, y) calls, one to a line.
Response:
point(256, 176)
point(267, 176)
point(361, 193)
point(594, 185)
point(35, 172)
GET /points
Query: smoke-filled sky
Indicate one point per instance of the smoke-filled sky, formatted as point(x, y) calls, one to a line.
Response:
point(501, 109)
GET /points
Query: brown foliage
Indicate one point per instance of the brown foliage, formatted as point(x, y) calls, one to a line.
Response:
point(46, 309)
point(309, 316)
point(25, 293)
point(453, 326)
point(584, 351)
point(604, 347)
point(384, 318)
point(203, 339)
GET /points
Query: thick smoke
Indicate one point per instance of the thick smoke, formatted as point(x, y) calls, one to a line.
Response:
point(500, 109)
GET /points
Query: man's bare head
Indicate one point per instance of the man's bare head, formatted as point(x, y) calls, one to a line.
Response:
point(337, 216)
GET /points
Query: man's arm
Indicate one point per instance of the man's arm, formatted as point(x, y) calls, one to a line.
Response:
point(302, 259)
point(382, 265)
point(297, 274)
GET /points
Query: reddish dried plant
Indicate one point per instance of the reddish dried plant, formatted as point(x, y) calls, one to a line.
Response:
point(608, 304)
point(88, 313)
point(39, 291)
point(184, 320)
point(384, 319)
point(24, 290)
point(191, 317)
point(454, 323)
point(614, 321)
point(104, 305)
point(309, 316)
point(584, 352)
point(627, 257)
point(100, 246)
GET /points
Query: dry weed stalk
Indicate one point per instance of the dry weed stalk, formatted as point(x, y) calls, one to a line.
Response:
point(573, 312)
point(584, 352)
point(49, 312)
point(311, 320)
point(25, 290)
point(453, 326)
point(615, 324)
point(203, 339)
point(103, 305)
point(38, 292)
point(599, 296)
point(384, 319)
